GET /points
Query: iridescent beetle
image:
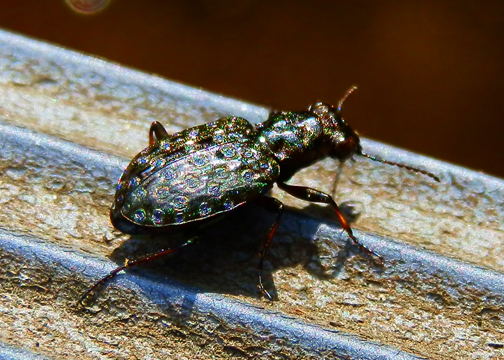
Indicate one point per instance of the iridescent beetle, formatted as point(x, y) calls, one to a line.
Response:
point(186, 180)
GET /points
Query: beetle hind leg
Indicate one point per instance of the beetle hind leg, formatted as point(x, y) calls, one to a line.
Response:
point(131, 263)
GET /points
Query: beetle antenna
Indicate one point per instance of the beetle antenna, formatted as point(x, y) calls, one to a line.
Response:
point(410, 168)
point(347, 94)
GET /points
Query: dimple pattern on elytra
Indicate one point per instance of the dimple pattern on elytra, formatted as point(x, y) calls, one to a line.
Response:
point(206, 170)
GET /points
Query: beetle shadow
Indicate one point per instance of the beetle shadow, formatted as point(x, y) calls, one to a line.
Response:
point(300, 241)
point(225, 257)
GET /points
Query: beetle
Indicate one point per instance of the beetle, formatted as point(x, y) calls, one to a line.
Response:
point(185, 181)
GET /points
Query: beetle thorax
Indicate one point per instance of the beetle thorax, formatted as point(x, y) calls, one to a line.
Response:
point(303, 138)
point(296, 139)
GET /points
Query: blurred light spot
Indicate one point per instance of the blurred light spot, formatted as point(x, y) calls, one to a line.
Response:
point(87, 7)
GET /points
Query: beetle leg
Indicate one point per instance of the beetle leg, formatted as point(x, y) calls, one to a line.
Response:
point(157, 132)
point(312, 195)
point(272, 205)
point(129, 264)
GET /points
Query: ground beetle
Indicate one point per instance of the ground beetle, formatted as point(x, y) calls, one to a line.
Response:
point(183, 182)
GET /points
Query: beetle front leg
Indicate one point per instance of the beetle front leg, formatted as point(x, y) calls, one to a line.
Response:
point(271, 205)
point(157, 132)
point(312, 195)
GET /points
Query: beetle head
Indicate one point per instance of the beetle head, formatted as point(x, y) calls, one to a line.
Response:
point(344, 141)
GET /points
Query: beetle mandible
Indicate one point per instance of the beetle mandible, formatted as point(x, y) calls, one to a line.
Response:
point(182, 182)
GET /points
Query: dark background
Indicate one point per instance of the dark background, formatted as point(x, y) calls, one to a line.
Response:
point(430, 73)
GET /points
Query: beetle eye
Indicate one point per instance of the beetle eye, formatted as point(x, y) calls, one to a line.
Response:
point(344, 150)
point(320, 108)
